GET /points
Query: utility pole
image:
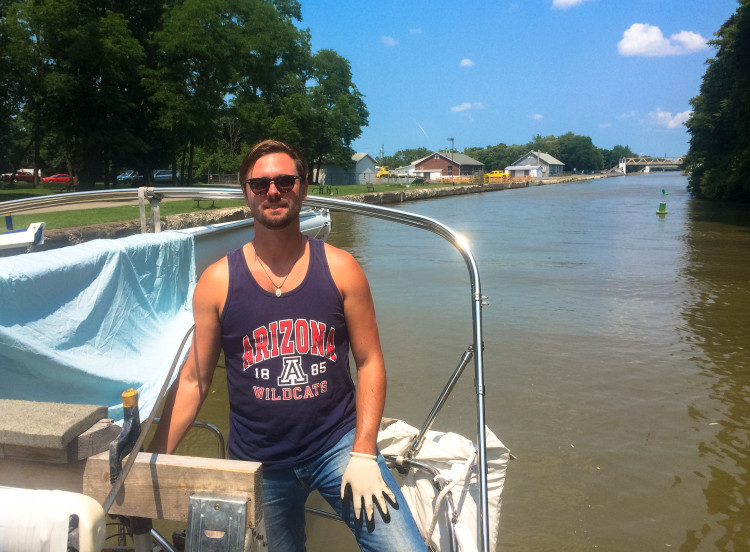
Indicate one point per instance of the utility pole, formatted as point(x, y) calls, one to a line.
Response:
point(451, 141)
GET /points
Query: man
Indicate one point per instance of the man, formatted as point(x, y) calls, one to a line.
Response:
point(286, 311)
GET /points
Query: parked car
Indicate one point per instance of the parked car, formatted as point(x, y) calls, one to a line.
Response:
point(129, 177)
point(497, 174)
point(23, 175)
point(165, 175)
point(59, 179)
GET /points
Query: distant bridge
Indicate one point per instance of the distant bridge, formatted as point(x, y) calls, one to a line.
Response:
point(649, 161)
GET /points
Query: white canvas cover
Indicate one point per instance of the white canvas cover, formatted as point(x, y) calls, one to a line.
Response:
point(82, 324)
point(455, 457)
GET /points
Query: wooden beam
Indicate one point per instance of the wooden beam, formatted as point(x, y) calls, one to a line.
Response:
point(94, 440)
point(158, 485)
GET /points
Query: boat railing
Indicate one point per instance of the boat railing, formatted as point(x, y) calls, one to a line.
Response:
point(477, 347)
point(116, 195)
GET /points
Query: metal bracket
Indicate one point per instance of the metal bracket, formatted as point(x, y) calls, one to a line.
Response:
point(216, 525)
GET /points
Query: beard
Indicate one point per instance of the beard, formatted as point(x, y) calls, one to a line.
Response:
point(277, 222)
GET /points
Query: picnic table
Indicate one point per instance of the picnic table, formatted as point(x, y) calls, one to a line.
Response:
point(66, 187)
point(324, 189)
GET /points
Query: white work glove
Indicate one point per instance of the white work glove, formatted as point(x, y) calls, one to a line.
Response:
point(364, 477)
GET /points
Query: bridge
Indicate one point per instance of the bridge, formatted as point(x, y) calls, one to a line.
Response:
point(648, 161)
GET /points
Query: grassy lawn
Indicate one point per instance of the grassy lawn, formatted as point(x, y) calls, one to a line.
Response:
point(85, 216)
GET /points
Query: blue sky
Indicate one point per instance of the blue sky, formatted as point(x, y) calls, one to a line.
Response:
point(486, 72)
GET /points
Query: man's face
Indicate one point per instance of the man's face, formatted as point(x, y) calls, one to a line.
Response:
point(275, 209)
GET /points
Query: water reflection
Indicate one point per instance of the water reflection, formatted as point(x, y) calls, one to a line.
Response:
point(717, 326)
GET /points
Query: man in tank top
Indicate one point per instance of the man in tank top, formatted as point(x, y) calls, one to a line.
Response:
point(286, 310)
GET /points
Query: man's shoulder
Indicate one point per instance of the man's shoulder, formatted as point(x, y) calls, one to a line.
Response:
point(217, 269)
point(345, 269)
point(338, 258)
point(216, 274)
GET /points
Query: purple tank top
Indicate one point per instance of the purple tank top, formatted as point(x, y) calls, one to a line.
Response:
point(291, 394)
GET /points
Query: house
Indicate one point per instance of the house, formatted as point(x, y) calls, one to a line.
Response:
point(363, 171)
point(445, 164)
point(545, 164)
point(406, 170)
point(525, 171)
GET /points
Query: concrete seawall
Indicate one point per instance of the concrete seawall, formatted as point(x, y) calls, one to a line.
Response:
point(419, 193)
point(78, 234)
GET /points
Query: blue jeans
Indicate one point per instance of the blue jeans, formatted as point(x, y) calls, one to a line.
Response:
point(285, 492)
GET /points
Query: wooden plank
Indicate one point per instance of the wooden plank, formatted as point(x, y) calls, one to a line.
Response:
point(158, 485)
point(94, 440)
point(45, 425)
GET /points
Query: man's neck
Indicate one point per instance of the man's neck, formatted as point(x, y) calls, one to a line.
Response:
point(278, 245)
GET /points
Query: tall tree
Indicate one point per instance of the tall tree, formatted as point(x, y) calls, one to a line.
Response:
point(77, 60)
point(579, 153)
point(199, 44)
point(274, 66)
point(107, 85)
point(546, 144)
point(405, 157)
point(497, 157)
point(328, 116)
point(612, 157)
point(719, 156)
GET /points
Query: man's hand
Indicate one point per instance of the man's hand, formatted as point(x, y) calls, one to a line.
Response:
point(364, 477)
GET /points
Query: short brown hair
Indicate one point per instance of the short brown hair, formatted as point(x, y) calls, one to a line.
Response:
point(267, 147)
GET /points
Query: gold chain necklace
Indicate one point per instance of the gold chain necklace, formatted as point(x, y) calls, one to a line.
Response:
point(281, 285)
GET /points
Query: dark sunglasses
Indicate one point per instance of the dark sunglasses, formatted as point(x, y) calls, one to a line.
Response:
point(284, 183)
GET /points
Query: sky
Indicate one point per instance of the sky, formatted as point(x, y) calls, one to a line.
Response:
point(488, 72)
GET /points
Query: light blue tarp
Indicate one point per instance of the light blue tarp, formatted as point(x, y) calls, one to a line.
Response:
point(82, 324)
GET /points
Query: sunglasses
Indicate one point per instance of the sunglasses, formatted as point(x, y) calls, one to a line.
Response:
point(284, 183)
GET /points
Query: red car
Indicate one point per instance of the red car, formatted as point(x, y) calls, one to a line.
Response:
point(21, 176)
point(59, 179)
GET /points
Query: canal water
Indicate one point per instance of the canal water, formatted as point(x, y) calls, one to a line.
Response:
point(617, 357)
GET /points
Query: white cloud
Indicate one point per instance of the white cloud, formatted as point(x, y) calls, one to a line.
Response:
point(388, 41)
point(605, 125)
point(466, 62)
point(415, 31)
point(642, 39)
point(537, 116)
point(466, 106)
point(565, 4)
point(628, 115)
point(667, 120)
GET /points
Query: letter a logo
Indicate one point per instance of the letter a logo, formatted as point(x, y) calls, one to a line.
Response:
point(292, 373)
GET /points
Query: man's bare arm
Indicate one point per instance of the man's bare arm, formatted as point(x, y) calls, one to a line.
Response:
point(191, 388)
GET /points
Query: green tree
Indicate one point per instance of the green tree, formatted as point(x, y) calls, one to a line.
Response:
point(404, 157)
point(75, 61)
point(612, 157)
point(579, 153)
point(98, 87)
point(199, 45)
point(328, 116)
point(718, 159)
point(545, 144)
point(274, 66)
point(497, 157)
point(10, 92)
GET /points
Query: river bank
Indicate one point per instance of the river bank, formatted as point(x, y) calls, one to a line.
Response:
point(78, 234)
